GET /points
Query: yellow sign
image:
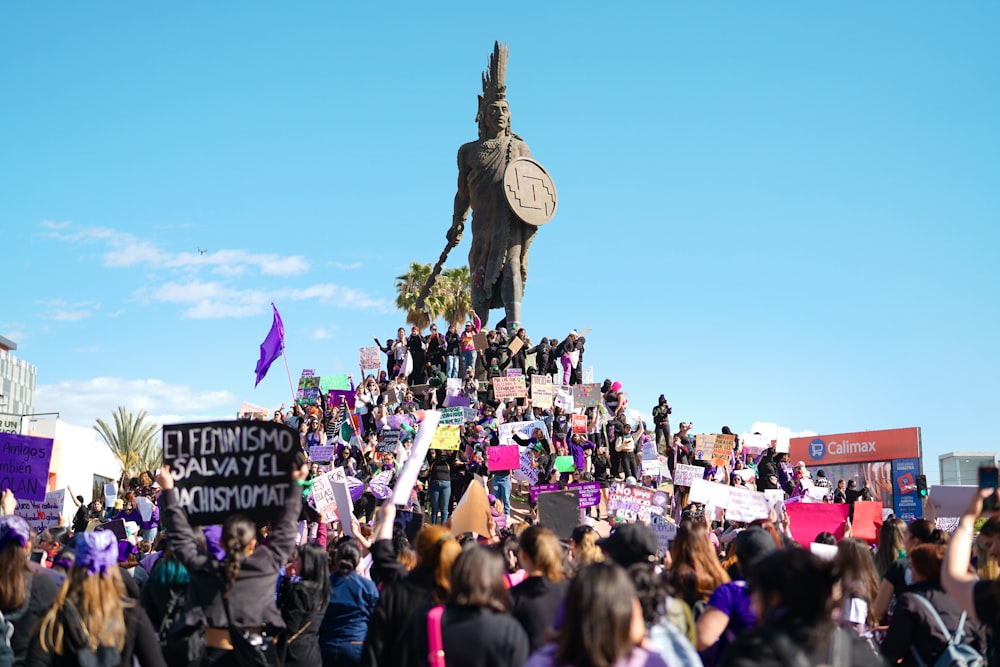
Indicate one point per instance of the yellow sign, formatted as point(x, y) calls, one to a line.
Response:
point(446, 437)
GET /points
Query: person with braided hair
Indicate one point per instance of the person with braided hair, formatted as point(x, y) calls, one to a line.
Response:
point(245, 579)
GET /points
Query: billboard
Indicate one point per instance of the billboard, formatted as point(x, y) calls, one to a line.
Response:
point(887, 462)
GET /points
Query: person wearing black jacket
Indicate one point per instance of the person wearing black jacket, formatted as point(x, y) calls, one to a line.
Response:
point(247, 576)
point(303, 602)
point(543, 354)
point(452, 351)
point(661, 422)
point(767, 472)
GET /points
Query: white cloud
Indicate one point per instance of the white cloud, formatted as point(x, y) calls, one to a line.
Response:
point(126, 250)
point(346, 267)
point(63, 311)
point(82, 402)
point(215, 300)
point(320, 333)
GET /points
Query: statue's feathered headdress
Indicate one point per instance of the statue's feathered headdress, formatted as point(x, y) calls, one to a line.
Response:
point(494, 80)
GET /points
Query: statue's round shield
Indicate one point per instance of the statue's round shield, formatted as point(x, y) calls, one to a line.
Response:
point(529, 191)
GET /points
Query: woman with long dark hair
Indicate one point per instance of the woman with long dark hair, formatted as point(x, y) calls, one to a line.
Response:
point(476, 627)
point(603, 624)
point(858, 584)
point(245, 579)
point(303, 599)
point(92, 621)
point(898, 576)
point(26, 591)
point(695, 572)
point(352, 599)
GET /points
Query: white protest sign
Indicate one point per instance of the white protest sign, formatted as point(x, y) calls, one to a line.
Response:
point(746, 505)
point(41, 514)
point(563, 398)
point(110, 494)
point(684, 474)
point(755, 443)
point(508, 430)
point(145, 506)
point(665, 531)
point(651, 468)
point(774, 497)
point(418, 452)
point(746, 474)
point(322, 495)
point(345, 505)
point(824, 551)
point(709, 493)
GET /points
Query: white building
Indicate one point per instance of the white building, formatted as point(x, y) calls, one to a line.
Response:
point(17, 388)
point(80, 460)
point(962, 468)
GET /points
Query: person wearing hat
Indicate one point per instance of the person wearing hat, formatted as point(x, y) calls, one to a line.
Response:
point(730, 611)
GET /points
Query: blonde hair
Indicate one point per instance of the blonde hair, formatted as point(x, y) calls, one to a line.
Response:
point(101, 604)
point(542, 546)
point(587, 551)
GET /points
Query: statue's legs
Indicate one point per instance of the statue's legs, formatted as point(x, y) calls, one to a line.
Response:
point(513, 290)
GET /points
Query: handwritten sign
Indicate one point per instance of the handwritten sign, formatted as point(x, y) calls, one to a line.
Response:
point(509, 387)
point(24, 465)
point(322, 495)
point(586, 395)
point(388, 441)
point(541, 391)
point(503, 457)
point(342, 492)
point(631, 502)
point(452, 416)
point(704, 446)
point(709, 493)
point(231, 467)
point(590, 493)
point(369, 358)
point(650, 468)
point(665, 531)
point(563, 398)
point(328, 382)
point(537, 489)
point(322, 452)
point(513, 372)
point(42, 514)
point(508, 430)
point(684, 474)
point(445, 437)
point(526, 471)
point(722, 449)
point(579, 424)
point(746, 505)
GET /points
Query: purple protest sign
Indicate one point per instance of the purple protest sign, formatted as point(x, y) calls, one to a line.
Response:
point(590, 493)
point(24, 465)
point(541, 488)
point(356, 487)
point(336, 396)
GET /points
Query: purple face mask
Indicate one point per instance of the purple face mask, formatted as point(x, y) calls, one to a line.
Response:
point(97, 551)
point(14, 529)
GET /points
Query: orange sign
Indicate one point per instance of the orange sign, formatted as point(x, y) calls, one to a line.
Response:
point(896, 443)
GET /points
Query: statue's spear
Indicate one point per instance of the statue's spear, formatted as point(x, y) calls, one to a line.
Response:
point(453, 240)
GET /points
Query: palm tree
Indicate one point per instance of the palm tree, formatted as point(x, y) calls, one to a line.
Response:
point(131, 441)
point(456, 292)
point(408, 288)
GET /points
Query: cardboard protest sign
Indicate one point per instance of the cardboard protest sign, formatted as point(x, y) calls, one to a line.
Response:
point(586, 395)
point(650, 468)
point(446, 437)
point(322, 495)
point(515, 345)
point(370, 358)
point(480, 341)
point(418, 452)
point(867, 521)
point(327, 383)
point(42, 514)
point(684, 474)
point(388, 441)
point(452, 416)
point(704, 446)
point(590, 493)
point(809, 520)
point(322, 453)
point(231, 467)
point(472, 512)
point(746, 505)
point(559, 511)
point(251, 411)
point(503, 457)
point(709, 493)
point(579, 424)
point(541, 391)
point(722, 449)
point(564, 464)
point(509, 387)
point(526, 472)
point(24, 465)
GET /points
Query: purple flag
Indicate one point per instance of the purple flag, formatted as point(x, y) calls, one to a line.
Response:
point(272, 346)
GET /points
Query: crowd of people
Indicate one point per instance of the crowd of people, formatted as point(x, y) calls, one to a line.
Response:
point(400, 585)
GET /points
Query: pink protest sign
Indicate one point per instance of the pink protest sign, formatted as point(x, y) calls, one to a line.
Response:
point(503, 457)
point(807, 520)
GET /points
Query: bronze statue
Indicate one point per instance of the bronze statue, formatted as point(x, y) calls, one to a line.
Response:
point(510, 195)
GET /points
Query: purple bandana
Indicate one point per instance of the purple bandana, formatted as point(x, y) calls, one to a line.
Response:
point(96, 551)
point(14, 529)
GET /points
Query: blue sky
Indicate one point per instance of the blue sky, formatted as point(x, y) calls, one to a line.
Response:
point(771, 212)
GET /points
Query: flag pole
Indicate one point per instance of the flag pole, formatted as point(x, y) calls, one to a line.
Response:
point(289, 372)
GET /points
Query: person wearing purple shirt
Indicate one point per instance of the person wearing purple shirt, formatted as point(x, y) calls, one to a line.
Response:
point(578, 445)
point(729, 611)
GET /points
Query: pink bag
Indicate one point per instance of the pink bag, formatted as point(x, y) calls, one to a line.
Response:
point(435, 642)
